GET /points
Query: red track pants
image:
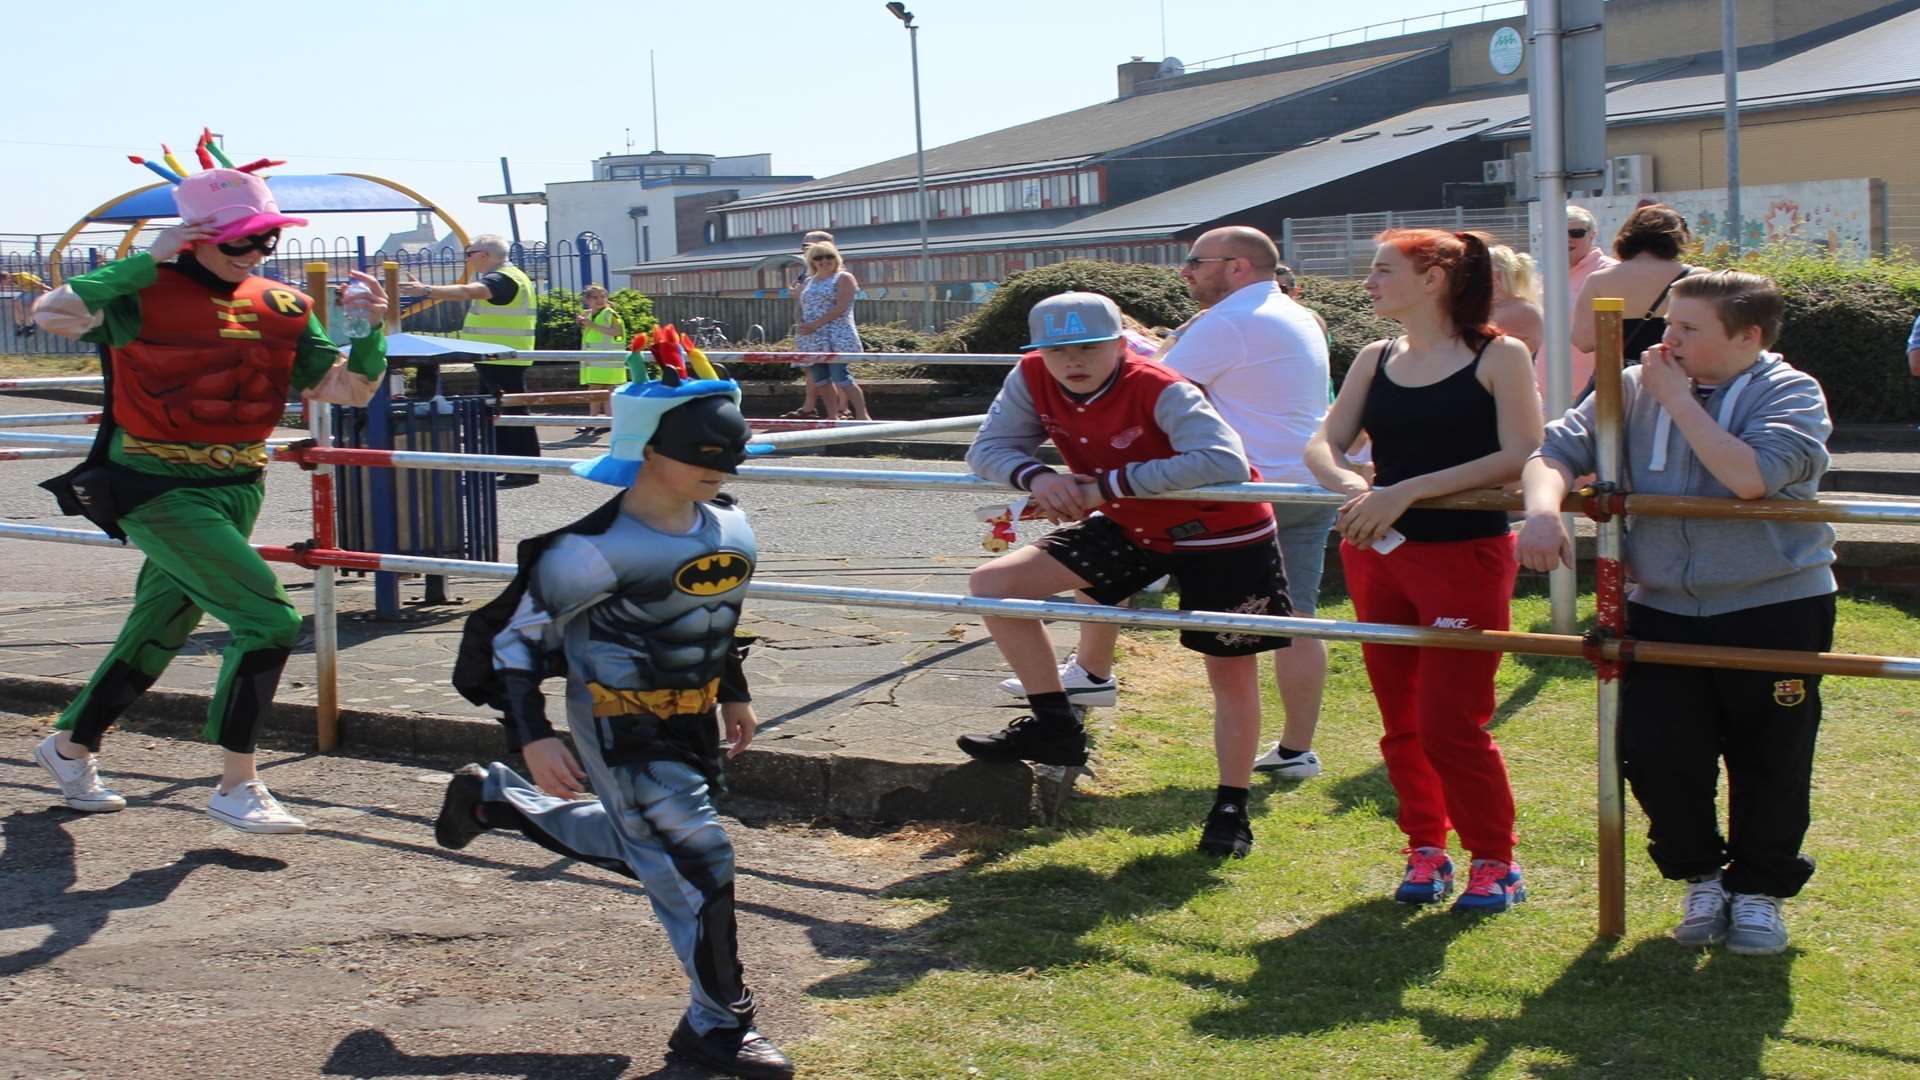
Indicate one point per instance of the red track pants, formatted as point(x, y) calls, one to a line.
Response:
point(1435, 703)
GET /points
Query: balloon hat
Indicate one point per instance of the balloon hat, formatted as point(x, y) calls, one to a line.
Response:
point(692, 420)
point(233, 199)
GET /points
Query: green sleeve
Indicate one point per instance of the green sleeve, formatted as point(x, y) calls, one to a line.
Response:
point(316, 353)
point(113, 292)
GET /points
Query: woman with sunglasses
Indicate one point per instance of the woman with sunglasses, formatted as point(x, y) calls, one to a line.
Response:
point(826, 326)
point(200, 354)
point(1585, 257)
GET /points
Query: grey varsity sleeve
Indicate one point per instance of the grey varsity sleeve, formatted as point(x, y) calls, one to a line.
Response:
point(1003, 450)
point(1205, 450)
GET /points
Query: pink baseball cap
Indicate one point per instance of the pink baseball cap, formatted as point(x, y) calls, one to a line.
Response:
point(238, 203)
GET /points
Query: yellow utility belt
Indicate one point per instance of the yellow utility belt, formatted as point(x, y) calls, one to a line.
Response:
point(664, 704)
point(213, 455)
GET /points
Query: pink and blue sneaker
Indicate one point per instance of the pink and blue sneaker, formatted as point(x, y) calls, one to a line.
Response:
point(1429, 877)
point(1492, 886)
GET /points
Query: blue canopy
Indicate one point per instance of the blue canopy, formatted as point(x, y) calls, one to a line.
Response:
point(316, 194)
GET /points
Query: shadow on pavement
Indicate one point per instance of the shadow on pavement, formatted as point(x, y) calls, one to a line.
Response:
point(369, 1053)
point(38, 872)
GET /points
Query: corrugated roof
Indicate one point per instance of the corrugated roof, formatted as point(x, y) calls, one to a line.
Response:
point(1310, 166)
point(1879, 59)
point(1100, 129)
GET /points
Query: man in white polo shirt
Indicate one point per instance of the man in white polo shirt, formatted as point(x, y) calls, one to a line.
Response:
point(1262, 359)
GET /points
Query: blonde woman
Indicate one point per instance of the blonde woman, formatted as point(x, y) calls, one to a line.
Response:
point(826, 326)
point(1516, 297)
point(601, 328)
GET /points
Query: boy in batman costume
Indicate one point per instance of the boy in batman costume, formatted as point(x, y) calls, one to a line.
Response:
point(636, 606)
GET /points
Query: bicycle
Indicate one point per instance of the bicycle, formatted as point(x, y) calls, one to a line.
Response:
point(707, 333)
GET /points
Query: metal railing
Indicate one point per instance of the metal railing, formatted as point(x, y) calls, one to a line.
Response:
point(1414, 24)
point(775, 314)
point(1341, 245)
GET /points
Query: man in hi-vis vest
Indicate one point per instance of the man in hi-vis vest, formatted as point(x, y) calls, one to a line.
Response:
point(503, 311)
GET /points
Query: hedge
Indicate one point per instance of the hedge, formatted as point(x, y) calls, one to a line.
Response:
point(556, 328)
point(1846, 325)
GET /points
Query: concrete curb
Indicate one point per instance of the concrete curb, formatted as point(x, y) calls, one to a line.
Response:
point(827, 785)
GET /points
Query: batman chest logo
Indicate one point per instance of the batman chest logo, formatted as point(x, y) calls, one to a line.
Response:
point(711, 575)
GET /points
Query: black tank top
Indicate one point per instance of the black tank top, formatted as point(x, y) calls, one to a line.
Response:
point(1424, 429)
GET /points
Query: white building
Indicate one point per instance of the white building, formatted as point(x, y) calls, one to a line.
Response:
point(648, 207)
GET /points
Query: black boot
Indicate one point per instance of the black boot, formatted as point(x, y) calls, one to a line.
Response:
point(1044, 741)
point(735, 1051)
point(458, 823)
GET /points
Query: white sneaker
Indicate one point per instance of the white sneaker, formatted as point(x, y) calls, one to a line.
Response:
point(79, 781)
point(1703, 914)
point(1758, 929)
point(252, 808)
point(1304, 767)
point(1082, 688)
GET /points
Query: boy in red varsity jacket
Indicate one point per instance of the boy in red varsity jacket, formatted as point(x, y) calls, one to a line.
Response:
point(1126, 427)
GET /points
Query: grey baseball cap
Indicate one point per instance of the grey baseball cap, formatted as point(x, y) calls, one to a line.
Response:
point(1072, 318)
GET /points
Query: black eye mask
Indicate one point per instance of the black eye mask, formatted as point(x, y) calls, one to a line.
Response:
point(708, 432)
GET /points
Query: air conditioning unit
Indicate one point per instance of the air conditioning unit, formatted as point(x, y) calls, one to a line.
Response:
point(1496, 172)
point(1630, 174)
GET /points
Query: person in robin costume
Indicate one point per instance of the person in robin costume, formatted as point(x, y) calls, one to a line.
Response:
point(200, 354)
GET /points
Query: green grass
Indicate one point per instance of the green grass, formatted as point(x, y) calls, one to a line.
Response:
point(15, 366)
point(1108, 948)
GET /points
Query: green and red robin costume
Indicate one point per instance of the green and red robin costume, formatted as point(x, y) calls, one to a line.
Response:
point(198, 370)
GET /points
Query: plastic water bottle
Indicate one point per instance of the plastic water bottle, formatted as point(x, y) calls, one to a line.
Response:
point(356, 308)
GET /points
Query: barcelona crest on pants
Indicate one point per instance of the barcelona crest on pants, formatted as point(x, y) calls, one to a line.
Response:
point(1789, 692)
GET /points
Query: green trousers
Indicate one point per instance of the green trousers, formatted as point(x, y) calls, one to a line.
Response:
point(198, 561)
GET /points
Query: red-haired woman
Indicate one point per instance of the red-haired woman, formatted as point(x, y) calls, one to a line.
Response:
point(1451, 406)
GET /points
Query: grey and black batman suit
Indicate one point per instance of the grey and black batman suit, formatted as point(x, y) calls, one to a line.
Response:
point(643, 624)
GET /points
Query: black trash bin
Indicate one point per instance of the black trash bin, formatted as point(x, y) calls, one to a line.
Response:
point(434, 513)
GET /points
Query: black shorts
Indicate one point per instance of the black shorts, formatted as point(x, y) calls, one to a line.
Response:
point(1247, 579)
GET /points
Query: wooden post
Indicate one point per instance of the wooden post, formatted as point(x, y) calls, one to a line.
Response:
point(1610, 620)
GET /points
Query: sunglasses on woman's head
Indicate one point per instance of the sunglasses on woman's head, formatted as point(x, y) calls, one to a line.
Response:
point(264, 243)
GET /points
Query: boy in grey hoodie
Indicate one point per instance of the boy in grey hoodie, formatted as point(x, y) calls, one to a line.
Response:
point(1710, 412)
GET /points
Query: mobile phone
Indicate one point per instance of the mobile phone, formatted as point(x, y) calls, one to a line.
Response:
point(1391, 539)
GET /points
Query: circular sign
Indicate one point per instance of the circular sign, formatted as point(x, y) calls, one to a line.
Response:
point(1506, 50)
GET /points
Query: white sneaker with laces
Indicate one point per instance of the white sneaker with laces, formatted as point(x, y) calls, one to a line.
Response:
point(1082, 688)
point(1306, 766)
point(1757, 928)
point(1703, 914)
point(78, 780)
point(252, 808)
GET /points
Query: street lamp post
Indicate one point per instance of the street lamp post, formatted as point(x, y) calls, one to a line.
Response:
point(900, 12)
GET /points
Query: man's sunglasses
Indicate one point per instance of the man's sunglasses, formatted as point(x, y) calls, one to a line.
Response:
point(1192, 261)
point(1576, 234)
point(264, 243)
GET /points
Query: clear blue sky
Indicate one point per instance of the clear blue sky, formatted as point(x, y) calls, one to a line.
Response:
point(433, 99)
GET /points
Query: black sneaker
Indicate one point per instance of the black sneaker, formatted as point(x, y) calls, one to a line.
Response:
point(456, 826)
point(735, 1051)
point(1227, 833)
point(1030, 739)
point(516, 480)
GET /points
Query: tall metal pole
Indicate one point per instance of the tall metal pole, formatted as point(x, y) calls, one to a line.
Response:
point(920, 157)
point(1730, 63)
point(653, 95)
point(513, 216)
point(1550, 170)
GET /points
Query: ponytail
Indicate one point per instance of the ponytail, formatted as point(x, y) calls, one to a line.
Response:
point(1468, 265)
